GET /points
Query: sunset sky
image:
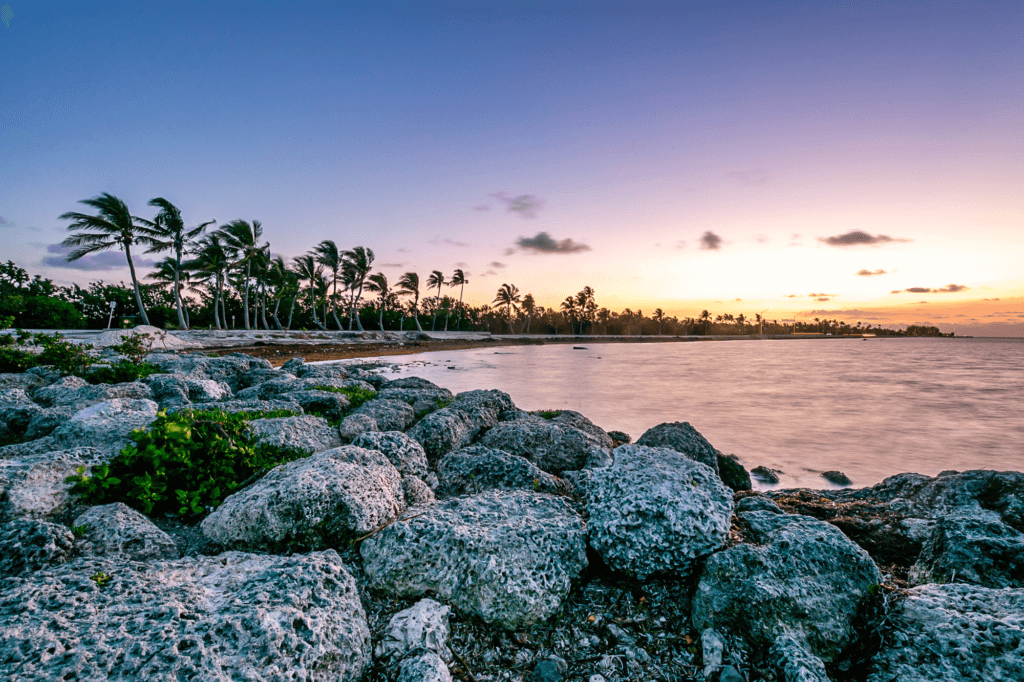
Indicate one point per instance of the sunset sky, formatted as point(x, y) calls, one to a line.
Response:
point(861, 161)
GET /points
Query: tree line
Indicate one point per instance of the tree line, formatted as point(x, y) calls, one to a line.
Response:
point(209, 276)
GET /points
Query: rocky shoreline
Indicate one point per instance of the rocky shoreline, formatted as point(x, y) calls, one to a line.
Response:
point(430, 537)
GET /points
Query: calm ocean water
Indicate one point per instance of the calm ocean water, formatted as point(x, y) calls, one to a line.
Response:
point(870, 408)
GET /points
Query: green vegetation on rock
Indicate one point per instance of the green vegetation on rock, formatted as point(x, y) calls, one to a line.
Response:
point(184, 463)
point(356, 396)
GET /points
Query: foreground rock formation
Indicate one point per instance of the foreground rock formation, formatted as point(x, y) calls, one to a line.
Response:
point(430, 536)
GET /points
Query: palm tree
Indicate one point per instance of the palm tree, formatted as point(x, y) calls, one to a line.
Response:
point(458, 280)
point(436, 279)
point(529, 307)
point(170, 233)
point(568, 307)
point(659, 315)
point(244, 237)
point(282, 282)
point(359, 262)
point(741, 321)
point(309, 270)
point(113, 225)
point(603, 315)
point(212, 261)
point(508, 296)
point(328, 255)
point(628, 314)
point(409, 285)
point(378, 283)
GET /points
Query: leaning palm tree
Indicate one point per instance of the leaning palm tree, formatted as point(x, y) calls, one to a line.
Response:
point(529, 307)
point(328, 255)
point(458, 280)
point(170, 233)
point(378, 283)
point(211, 262)
point(307, 269)
point(508, 296)
point(113, 225)
point(244, 237)
point(409, 285)
point(659, 315)
point(436, 279)
point(359, 262)
point(568, 307)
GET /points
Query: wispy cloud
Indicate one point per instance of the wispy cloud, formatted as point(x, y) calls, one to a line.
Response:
point(391, 265)
point(543, 243)
point(948, 289)
point(870, 273)
point(95, 262)
point(4, 222)
point(448, 242)
point(481, 207)
point(497, 264)
point(526, 205)
point(858, 238)
point(709, 241)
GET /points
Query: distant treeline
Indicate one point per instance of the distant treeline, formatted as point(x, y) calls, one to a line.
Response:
point(33, 302)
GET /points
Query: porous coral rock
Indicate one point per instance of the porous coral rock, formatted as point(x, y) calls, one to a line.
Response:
point(28, 545)
point(312, 434)
point(117, 530)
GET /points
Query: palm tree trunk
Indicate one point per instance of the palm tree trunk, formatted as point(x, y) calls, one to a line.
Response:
point(277, 306)
point(381, 325)
point(458, 324)
point(291, 309)
point(216, 303)
point(177, 293)
point(245, 303)
point(416, 313)
point(135, 283)
point(355, 307)
point(334, 303)
point(312, 303)
point(263, 305)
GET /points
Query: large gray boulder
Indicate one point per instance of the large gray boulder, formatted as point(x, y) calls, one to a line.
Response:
point(423, 666)
point(35, 485)
point(76, 393)
point(975, 548)
point(477, 468)
point(29, 545)
point(118, 531)
point(388, 415)
point(16, 411)
point(800, 578)
point(268, 390)
point(406, 454)
point(107, 425)
point(175, 389)
point(455, 426)
point(230, 617)
point(953, 633)
point(312, 434)
point(682, 438)
point(326, 404)
point(232, 369)
point(509, 557)
point(554, 446)
point(239, 406)
point(23, 381)
point(311, 503)
point(423, 395)
point(46, 420)
point(656, 511)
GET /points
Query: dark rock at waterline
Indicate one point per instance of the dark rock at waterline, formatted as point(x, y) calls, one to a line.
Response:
point(836, 477)
point(977, 548)
point(620, 437)
point(682, 438)
point(230, 617)
point(554, 446)
point(765, 475)
point(732, 472)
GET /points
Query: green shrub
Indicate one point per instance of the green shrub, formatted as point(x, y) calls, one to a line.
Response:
point(15, 360)
point(65, 356)
point(121, 372)
point(356, 396)
point(184, 463)
point(549, 414)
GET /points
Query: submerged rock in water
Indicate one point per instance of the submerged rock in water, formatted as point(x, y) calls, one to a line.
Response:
point(311, 503)
point(230, 617)
point(508, 557)
point(732, 472)
point(836, 477)
point(802, 578)
point(765, 475)
point(953, 633)
point(655, 510)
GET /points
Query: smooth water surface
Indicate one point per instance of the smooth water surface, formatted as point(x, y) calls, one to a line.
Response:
point(869, 408)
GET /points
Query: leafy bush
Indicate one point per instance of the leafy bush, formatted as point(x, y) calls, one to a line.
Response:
point(120, 372)
point(184, 463)
point(549, 414)
point(15, 360)
point(356, 396)
point(65, 356)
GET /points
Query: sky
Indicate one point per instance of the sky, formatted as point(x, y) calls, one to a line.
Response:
point(858, 161)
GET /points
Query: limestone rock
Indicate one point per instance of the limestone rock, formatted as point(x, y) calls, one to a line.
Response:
point(802, 578)
point(232, 369)
point(682, 438)
point(236, 406)
point(732, 472)
point(655, 510)
point(355, 425)
point(794, 664)
point(424, 625)
point(416, 491)
point(268, 390)
point(406, 454)
point(24, 381)
point(509, 557)
point(554, 446)
point(117, 530)
point(168, 389)
point(424, 667)
point(424, 396)
point(310, 503)
point(34, 484)
point(389, 415)
point(230, 617)
point(326, 404)
point(455, 426)
point(28, 545)
point(477, 468)
point(977, 548)
point(312, 434)
point(106, 426)
point(953, 633)
point(76, 393)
